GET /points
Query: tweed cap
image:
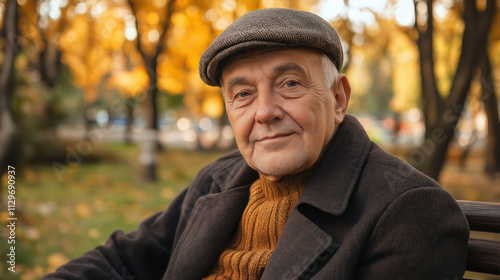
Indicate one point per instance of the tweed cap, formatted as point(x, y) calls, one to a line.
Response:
point(273, 27)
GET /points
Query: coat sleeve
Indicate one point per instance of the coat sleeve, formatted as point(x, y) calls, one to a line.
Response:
point(145, 252)
point(140, 254)
point(422, 234)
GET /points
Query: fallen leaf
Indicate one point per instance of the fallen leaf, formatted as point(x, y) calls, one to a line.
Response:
point(55, 260)
point(83, 210)
point(93, 233)
point(32, 234)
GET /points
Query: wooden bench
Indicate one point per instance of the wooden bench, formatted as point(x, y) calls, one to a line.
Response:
point(483, 255)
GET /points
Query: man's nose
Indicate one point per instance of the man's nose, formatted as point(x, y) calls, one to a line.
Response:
point(268, 107)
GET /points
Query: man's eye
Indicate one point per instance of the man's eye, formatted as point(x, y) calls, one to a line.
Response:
point(242, 94)
point(290, 84)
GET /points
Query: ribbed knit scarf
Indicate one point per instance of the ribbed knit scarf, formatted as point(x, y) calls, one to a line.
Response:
point(260, 227)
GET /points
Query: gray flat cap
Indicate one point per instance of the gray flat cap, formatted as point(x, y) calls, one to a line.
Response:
point(273, 27)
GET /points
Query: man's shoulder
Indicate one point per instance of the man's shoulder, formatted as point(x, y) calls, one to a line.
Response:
point(388, 180)
point(392, 173)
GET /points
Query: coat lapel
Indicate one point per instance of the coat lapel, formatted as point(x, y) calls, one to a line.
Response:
point(212, 223)
point(215, 216)
point(336, 174)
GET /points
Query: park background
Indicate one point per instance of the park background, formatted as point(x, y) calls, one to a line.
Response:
point(105, 119)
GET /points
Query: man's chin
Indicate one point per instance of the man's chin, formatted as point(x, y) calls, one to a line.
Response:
point(275, 170)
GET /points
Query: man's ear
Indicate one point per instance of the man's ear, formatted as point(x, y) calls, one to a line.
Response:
point(342, 93)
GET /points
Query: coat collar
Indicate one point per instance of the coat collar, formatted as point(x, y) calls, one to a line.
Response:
point(334, 177)
point(236, 173)
point(337, 172)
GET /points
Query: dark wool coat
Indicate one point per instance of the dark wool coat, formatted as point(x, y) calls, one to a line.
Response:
point(363, 214)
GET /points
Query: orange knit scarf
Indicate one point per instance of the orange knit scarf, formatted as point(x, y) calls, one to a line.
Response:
point(260, 227)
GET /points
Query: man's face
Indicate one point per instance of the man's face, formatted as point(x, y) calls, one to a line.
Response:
point(281, 110)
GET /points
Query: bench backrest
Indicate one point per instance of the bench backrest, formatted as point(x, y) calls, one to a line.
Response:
point(483, 255)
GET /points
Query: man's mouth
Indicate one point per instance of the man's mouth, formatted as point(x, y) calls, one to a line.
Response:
point(276, 136)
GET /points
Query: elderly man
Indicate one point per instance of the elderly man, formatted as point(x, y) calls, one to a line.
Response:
point(307, 196)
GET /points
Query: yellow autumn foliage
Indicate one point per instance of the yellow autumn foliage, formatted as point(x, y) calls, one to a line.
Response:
point(98, 41)
point(130, 83)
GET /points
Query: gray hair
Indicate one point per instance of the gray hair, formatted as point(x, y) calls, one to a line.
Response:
point(330, 70)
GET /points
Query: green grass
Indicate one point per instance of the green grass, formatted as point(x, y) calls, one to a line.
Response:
point(61, 219)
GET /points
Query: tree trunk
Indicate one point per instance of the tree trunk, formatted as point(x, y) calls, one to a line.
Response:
point(148, 150)
point(429, 158)
point(492, 151)
point(441, 116)
point(8, 129)
point(149, 144)
point(130, 118)
point(49, 64)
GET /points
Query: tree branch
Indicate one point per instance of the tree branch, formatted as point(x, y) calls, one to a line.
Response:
point(432, 101)
point(477, 27)
point(145, 57)
point(166, 26)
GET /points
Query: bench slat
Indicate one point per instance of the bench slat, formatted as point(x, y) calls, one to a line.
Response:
point(482, 216)
point(484, 256)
